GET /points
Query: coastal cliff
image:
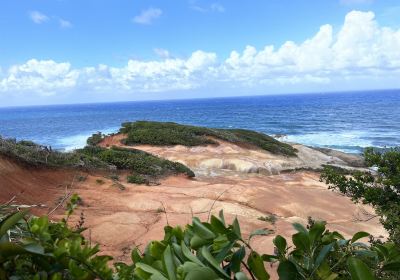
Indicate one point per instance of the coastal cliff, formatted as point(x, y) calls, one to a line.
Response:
point(263, 188)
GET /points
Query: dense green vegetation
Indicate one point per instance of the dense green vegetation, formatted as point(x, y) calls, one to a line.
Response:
point(168, 133)
point(140, 164)
point(33, 154)
point(95, 139)
point(381, 189)
point(35, 248)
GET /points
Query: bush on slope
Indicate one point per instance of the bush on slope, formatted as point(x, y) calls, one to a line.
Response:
point(139, 163)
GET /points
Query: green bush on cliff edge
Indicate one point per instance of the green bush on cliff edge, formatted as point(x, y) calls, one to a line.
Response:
point(92, 157)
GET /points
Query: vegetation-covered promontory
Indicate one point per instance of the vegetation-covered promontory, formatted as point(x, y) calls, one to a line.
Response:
point(168, 133)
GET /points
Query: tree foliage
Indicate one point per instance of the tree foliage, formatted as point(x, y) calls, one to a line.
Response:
point(379, 188)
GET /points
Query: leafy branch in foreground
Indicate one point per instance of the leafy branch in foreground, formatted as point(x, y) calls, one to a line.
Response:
point(34, 248)
point(381, 189)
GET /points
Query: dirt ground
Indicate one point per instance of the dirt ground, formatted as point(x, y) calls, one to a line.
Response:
point(120, 217)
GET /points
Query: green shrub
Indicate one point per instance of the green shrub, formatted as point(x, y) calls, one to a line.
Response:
point(270, 219)
point(99, 181)
point(95, 139)
point(33, 154)
point(92, 157)
point(114, 177)
point(168, 133)
point(138, 161)
point(137, 179)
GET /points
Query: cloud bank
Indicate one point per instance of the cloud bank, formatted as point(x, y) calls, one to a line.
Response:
point(360, 50)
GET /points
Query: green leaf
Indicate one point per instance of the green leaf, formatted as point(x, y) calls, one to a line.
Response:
point(382, 251)
point(302, 241)
point(287, 271)
point(201, 273)
point(222, 255)
point(186, 252)
point(359, 270)
point(211, 260)
point(188, 266)
point(11, 249)
point(150, 270)
point(11, 221)
point(322, 254)
point(34, 248)
point(201, 230)
point(280, 243)
point(221, 217)
point(269, 258)
point(236, 228)
point(237, 258)
point(300, 228)
point(135, 255)
point(156, 249)
point(359, 235)
point(256, 265)
point(259, 232)
point(324, 272)
point(218, 225)
point(196, 242)
point(168, 261)
point(392, 266)
point(316, 231)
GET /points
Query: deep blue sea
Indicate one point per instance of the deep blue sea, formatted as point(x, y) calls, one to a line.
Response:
point(344, 121)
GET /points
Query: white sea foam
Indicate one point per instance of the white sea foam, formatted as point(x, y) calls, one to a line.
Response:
point(78, 141)
point(346, 141)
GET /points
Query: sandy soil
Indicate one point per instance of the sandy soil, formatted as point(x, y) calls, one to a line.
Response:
point(215, 159)
point(121, 219)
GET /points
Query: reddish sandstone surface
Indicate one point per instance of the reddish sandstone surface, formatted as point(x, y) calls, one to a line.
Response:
point(121, 219)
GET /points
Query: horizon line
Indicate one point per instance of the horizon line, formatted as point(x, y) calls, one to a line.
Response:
point(202, 98)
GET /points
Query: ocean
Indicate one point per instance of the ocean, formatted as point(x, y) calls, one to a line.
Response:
point(348, 121)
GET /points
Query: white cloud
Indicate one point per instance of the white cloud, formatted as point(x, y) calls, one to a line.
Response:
point(362, 52)
point(64, 23)
point(38, 17)
point(361, 47)
point(44, 77)
point(213, 7)
point(147, 16)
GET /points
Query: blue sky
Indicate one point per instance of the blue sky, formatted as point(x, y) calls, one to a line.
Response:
point(71, 51)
